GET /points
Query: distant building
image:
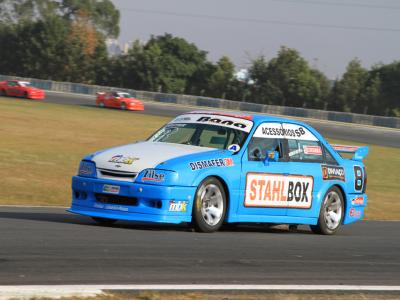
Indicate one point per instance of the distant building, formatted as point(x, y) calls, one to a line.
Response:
point(243, 76)
point(113, 47)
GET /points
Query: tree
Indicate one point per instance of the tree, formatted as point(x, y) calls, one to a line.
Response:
point(219, 83)
point(164, 64)
point(50, 49)
point(102, 13)
point(387, 78)
point(287, 80)
point(349, 90)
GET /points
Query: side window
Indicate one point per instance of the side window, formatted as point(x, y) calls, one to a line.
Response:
point(258, 148)
point(305, 151)
point(329, 159)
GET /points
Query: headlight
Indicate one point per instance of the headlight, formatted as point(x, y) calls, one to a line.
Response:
point(87, 169)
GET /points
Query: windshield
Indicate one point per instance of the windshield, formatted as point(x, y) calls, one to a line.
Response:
point(202, 135)
point(125, 95)
point(24, 83)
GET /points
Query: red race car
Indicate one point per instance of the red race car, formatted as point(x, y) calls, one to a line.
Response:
point(19, 88)
point(120, 100)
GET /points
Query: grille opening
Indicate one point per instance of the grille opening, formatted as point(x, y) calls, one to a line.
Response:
point(115, 199)
point(117, 174)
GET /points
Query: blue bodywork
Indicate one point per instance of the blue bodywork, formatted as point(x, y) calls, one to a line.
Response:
point(152, 200)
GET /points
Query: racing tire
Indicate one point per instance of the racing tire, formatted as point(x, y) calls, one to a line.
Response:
point(209, 207)
point(26, 95)
point(104, 221)
point(3, 93)
point(331, 214)
point(101, 104)
point(123, 106)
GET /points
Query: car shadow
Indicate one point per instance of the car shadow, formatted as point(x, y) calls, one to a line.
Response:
point(72, 219)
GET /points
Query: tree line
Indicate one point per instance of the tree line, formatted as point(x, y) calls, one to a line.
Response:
point(65, 41)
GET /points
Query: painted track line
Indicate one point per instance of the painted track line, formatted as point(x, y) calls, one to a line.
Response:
point(57, 291)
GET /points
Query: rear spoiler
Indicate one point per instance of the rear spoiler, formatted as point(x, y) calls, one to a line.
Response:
point(359, 152)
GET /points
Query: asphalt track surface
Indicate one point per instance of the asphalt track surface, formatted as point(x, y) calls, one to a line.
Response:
point(335, 130)
point(51, 246)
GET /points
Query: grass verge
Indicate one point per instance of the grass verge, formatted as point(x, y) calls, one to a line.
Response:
point(242, 295)
point(41, 145)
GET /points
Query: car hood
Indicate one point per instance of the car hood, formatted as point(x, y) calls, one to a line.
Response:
point(139, 156)
point(33, 89)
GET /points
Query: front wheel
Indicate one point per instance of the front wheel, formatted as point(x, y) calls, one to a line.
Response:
point(123, 106)
point(331, 213)
point(209, 207)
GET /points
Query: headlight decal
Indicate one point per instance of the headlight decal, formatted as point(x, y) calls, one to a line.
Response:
point(87, 169)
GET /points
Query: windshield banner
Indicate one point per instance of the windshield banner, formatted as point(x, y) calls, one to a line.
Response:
point(226, 121)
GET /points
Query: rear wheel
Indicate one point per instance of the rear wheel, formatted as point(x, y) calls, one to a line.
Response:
point(104, 221)
point(3, 93)
point(331, 213)
point(209, 207)
point(101, 104)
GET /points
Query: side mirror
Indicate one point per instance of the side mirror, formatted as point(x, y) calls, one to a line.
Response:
point(271, 156)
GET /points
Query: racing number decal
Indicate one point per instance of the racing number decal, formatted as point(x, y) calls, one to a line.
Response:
point(358, 178)
point(274, 190)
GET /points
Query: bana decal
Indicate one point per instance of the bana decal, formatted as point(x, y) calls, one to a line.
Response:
point(221, 120)
point(275, 190)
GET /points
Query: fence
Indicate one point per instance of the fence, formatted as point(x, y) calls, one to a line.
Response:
point(218, 103)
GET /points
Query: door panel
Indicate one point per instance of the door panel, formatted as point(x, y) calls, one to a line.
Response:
point(263, 184)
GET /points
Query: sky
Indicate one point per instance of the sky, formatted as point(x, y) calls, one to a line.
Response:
point(328, 33)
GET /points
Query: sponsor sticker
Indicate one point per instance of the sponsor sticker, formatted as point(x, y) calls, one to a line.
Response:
point(111, 189)
point(333, 173)
point(355, 213)
point(358, 201)
point(110, 207)
point(234, 148)
point(287, 131)
point(120, 159)
point(153, 175)
point(226, 121)
point(178, 206)
point(275, 190)
point(211, 163)
point(295, 152)
point(312, 150)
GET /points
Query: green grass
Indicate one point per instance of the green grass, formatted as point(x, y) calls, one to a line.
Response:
point(383, 186)
point(41, 145)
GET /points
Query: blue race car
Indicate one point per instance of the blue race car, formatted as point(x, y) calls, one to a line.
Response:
point(210, 167)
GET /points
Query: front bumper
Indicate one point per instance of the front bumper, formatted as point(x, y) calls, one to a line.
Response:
point(135, 106)
point(131, 201)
